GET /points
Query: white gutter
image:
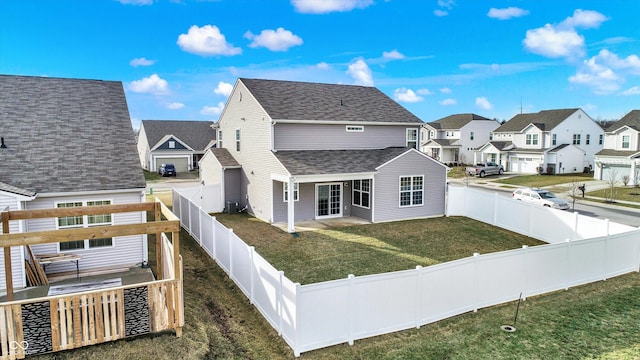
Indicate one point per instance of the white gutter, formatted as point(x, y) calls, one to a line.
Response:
point(334, 122)
point(94, 192)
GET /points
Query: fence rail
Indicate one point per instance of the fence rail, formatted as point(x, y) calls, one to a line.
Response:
point(309, 317)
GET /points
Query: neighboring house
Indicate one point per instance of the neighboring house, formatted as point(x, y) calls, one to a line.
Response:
point(69, 142)
point(453, 139)
point(621, 154)
point(182, 143)
point(306, 151)
point(550, 141)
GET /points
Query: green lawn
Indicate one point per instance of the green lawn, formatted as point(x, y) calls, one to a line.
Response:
point(456, 172)
point(619, 193)
point(545, 180)
point(370, 249)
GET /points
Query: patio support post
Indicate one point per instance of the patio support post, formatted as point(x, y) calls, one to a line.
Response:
point(7, 257)
point(290, 208)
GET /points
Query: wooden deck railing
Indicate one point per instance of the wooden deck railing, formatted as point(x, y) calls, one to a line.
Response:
point(63, 322)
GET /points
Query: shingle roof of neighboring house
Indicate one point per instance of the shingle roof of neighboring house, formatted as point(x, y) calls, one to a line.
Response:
point(545, 120)
point(456, 121)
point(225, 158)
point(195, 134)
point(313, 162)
point(445, 142)
point(500, 145)
point(66, 135)
point(632, 120)
point(608, 152)
point(14, 190)
point(304, 101)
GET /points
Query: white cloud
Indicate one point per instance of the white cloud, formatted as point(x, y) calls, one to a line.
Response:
point(483, 103)
point(323, 66)
point(360, 72)
point(150, 85)
point(445, 90)
point(605, 72)
point(206, 41)
point(278, 40)
point(507, 13)
point(586, 19)
point(212, 110)
point(223, 89)
point(447, 102)
point(632, 91)
point(552, 42)
point(562, 40)
point(424, 92)
point(440, 13)
point(406, 95)
point(141, 62)
point(327, 6)
point(392, 55)
point(446, 3)
point(136, 2)
point(175, 106)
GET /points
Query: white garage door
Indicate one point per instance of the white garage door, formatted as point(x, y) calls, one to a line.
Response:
point(181, 164)
point(524, 165)
point(618, 171)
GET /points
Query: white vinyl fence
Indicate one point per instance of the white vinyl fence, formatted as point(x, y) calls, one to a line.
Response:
point(313, 316)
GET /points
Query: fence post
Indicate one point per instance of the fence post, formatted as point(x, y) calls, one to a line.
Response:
point(200, 217)
point(350, 308)
point(476, 282)
point(606, 249)
point(213, 237)
point(296, 328)
point(418, 299)
point(280, 301)
point(568, 271)
point(229, 238)
point(525, 250)
point(575, 226)
point(252, 250)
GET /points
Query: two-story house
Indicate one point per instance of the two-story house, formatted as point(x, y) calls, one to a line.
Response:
point(291, 151)
point(179, 142)
point(453, 139)
point(549, 141)
point(67, 143)
point(621, 154)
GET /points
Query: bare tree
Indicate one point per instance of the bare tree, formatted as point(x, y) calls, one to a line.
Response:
point(575, 189)
point(611, 181)
point(636, 176)
point(625, 180)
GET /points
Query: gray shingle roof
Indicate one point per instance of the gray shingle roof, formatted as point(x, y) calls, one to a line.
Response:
point(445, 142)
point(545, 120)
point(14, 190)
point(456, 121)
point(500, 145)
point(317, 162)
point(195, 134)
point(66, 135)
point(225, 158)
point(632, 120)
point(609, 152)
point(291, 100)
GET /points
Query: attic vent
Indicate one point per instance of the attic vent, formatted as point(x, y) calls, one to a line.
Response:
point(2, 145)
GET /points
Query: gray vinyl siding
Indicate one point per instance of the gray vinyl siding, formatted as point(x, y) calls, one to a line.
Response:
point(336, 137)
point(126, 250)
point(232, 180)
point(304, 208)
point(358, 211)
point(243, 112)
point(17, 262)
point(387, 188)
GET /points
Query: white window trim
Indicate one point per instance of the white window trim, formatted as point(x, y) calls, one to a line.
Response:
point(628, 142)
point(85, 224)
point(411, 191)
point(296, 191)
point(172, 144)
point(407, 137)
point(576, 137)
point(353, 190)
point(219, 140)
point(554, 139)
point(238, 137)
point(354, 128)
point(531, 139)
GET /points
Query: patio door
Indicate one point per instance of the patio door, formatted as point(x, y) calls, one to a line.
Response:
point(328, 200)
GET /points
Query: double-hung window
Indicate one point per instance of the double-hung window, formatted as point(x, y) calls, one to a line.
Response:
point(285, 192)
point(587, 140)
point(554, 139)
point(600, 139)
point(361, 193)
point(625, 141)
point(411, 190)
point(531, 139)
point(471, 135)
point(412, 138)
point(237, 139)
point(80, 221)
point(219, 143)
point(576, 139)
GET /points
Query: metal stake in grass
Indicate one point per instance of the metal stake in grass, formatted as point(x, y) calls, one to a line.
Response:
point(512, 328)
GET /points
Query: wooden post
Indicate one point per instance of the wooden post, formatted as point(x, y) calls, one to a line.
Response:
point(177, 274)
point(158, 217)
point(7, 258)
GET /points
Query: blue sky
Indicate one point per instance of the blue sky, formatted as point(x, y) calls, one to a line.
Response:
point(178, 59)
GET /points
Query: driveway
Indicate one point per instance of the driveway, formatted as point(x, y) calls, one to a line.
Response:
point(181, 180)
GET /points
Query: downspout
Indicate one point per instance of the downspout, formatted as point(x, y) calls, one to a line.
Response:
point(291, 228)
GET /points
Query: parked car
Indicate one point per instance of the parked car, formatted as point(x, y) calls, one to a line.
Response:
point(486, 168)
point(540, 197)
point(167, 170)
